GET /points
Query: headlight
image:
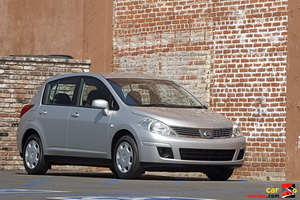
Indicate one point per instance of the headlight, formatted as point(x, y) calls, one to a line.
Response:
point(236, 131)
point(157, 127)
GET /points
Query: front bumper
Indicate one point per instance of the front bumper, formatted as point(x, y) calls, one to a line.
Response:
point(193, 153)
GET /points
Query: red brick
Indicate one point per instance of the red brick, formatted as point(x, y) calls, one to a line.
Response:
point(246, 66)
point(28, 75)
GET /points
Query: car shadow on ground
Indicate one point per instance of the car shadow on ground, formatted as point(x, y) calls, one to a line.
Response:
point(161, 176)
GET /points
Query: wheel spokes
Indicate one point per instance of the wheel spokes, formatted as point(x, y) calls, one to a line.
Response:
point(32, 154)
point(124, 157)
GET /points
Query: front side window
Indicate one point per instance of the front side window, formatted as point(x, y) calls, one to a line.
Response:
point(160, 93)
point(61, 92)
point(94, 89)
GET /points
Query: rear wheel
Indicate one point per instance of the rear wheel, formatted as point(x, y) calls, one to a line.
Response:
point(219, 173)
point(126, 161)
point(33, 158)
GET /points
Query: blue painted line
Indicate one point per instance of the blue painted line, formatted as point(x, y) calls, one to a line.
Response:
point(27, 191)
point(110, 182)
point(242, 182)
point(39, 182)
point(15, 191)
point(177, 182)
point(24, 192)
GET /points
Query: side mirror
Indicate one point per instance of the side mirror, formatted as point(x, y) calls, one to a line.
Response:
point(102, 104)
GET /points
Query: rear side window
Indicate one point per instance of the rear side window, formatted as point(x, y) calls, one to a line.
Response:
point(61, 92)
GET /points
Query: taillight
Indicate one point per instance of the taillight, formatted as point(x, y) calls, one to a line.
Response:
point(25, 109)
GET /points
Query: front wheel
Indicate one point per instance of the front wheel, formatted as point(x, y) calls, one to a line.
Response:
point(33, 157)
point(219, 174)
point(126, 163)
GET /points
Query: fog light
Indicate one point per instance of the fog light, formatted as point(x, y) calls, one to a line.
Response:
point(241, 154)
point(165, 152)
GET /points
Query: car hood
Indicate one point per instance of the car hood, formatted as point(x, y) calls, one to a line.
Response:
point(185, 117)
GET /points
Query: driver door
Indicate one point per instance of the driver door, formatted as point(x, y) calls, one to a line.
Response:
point(88, 126)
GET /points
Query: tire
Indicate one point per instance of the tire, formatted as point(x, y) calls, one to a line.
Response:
point(126, 161)
point(112, 169)
point(219, 174)
point(33, 158)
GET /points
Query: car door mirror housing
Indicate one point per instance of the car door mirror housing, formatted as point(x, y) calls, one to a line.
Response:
point(101, 104)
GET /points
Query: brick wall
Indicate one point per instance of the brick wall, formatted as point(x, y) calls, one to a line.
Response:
point(249, 79)
point(231, 53)
point(165, 38)
point(19, 79)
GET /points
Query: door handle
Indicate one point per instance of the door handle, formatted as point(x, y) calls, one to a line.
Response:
point(44, 112)
point(75, 115)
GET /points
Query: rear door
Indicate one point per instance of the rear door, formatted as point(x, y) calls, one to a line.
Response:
point(89, 127)
point(54, 113)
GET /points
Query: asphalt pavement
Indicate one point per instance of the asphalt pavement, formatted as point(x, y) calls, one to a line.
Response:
point(57, 185)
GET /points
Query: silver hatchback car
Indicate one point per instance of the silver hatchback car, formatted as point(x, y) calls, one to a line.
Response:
point(131, 123)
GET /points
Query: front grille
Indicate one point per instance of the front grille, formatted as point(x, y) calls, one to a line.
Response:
point(195, 132)
point(219, 133)
point(188, 132)
point(206, 154)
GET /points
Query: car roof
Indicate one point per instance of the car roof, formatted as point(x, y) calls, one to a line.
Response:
point(130, 75)
point(138, 75)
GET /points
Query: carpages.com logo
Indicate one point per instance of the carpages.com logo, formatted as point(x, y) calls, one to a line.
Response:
point(288, 191)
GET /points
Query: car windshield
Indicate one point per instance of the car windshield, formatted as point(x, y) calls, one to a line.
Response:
point(153, 92)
